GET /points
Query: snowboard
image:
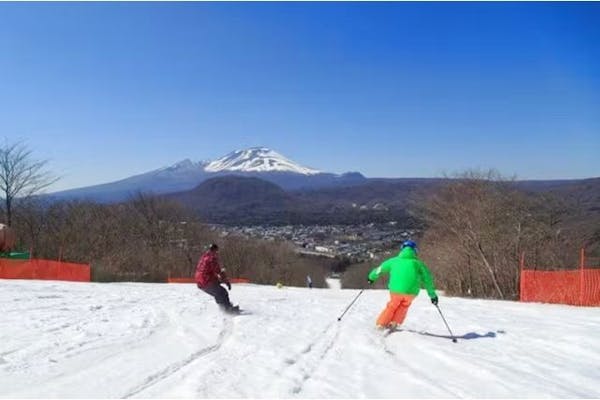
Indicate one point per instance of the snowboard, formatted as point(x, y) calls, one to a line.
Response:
point(236, 311)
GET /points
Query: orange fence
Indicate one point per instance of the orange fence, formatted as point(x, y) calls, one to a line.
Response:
point(44, 269)
point(180, 280)
point(192, 280)
point(576, 287)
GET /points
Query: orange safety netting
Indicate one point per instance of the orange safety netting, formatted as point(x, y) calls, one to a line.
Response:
point(591, 287)
point(44, 269)
point(577, 287)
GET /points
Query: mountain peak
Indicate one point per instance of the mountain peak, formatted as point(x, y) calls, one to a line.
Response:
point(257, 159)
point(183, 165)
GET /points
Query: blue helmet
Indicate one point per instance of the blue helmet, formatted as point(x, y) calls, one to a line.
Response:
point(409, 243)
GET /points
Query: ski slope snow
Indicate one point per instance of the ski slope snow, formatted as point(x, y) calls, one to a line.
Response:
point(136, 340)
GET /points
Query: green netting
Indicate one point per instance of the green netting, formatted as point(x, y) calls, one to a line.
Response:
point(16, 255)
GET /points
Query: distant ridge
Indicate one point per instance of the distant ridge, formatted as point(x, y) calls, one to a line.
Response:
point(259, 185)
point(259, 162)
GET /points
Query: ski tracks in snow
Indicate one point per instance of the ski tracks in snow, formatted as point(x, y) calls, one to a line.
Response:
point(387, 338)
point(66, 340)
point(308, 361)
point(179, 365)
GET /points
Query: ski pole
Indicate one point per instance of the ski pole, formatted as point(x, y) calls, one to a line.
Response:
point(347, 308)
point(442, 315)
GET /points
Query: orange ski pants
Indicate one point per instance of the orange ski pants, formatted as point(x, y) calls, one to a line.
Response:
point(396, 309)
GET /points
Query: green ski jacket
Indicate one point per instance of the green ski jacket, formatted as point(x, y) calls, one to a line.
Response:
point(407, 273)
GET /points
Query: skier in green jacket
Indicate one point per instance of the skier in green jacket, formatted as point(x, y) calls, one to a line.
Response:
point(407, 275)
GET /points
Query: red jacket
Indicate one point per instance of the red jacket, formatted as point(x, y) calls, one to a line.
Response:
point(208, 269)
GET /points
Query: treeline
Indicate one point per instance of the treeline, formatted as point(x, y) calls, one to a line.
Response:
point(476, 227)
point(473, 230)
point(149, 238)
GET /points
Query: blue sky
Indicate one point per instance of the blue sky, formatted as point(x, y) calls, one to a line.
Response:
point(108, 90)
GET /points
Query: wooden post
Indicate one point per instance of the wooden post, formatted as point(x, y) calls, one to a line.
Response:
point(521, 267)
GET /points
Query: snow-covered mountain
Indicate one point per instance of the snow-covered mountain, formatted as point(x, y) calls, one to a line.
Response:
point(257, 159)
point(260, 162)
point(184, 165)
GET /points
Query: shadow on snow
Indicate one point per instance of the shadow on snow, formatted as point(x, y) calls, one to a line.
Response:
point(466, 336)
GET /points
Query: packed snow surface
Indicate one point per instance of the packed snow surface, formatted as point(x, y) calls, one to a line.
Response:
point(122, 340)
point(257, 159)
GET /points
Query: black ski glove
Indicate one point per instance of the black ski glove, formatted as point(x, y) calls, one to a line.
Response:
point(228, 284)
point(434, 301)
point(370, 281)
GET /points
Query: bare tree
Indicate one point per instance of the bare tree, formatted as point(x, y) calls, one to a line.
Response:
point(147, 238)
point(157, 223)
point(477, 226)
point(21, 176)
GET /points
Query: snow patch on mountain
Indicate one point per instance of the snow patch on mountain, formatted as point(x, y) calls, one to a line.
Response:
point(257, 159)
point(184, 165)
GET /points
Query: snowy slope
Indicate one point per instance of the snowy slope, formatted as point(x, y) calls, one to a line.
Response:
point(121, 340)
point(257, 159)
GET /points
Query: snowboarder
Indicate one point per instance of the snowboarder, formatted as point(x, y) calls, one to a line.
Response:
point(407, 275)
point(209, 277)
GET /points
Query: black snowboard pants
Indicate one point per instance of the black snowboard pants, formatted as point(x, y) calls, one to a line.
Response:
point(219, 293)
